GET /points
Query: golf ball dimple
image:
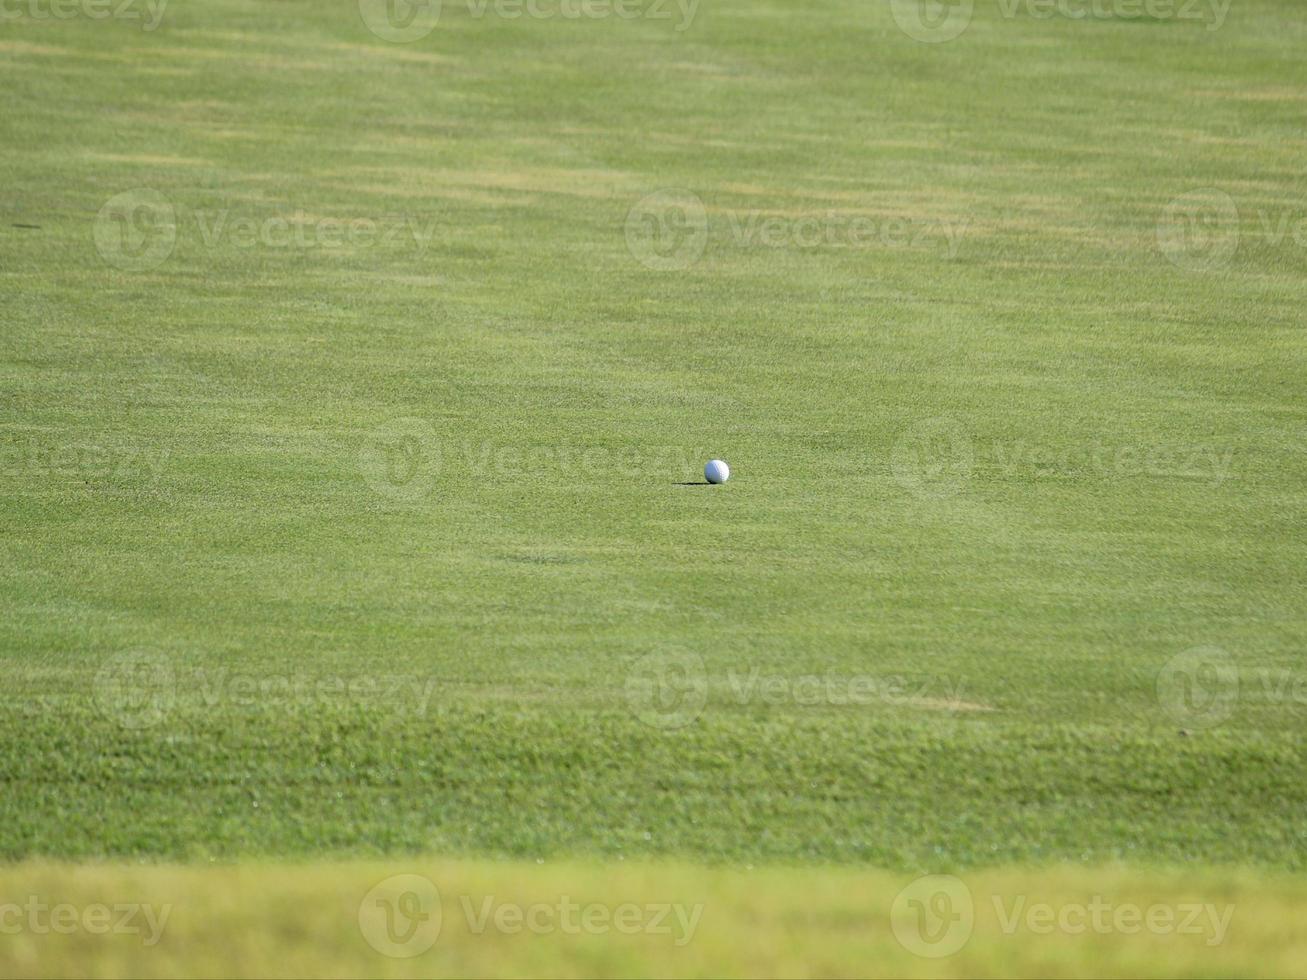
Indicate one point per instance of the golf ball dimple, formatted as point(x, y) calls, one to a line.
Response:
point(716, 471)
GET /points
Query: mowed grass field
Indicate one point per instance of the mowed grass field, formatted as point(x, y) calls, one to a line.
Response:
point(355, 391)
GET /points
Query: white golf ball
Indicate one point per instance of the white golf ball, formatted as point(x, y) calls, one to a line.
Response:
point(716, 471)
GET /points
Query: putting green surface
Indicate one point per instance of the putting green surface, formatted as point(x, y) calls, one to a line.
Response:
point(355, 393)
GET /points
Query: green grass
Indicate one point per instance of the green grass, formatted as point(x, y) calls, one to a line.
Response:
point(1000, 452)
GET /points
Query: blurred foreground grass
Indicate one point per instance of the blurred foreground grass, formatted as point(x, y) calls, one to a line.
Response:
point(641, 919)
